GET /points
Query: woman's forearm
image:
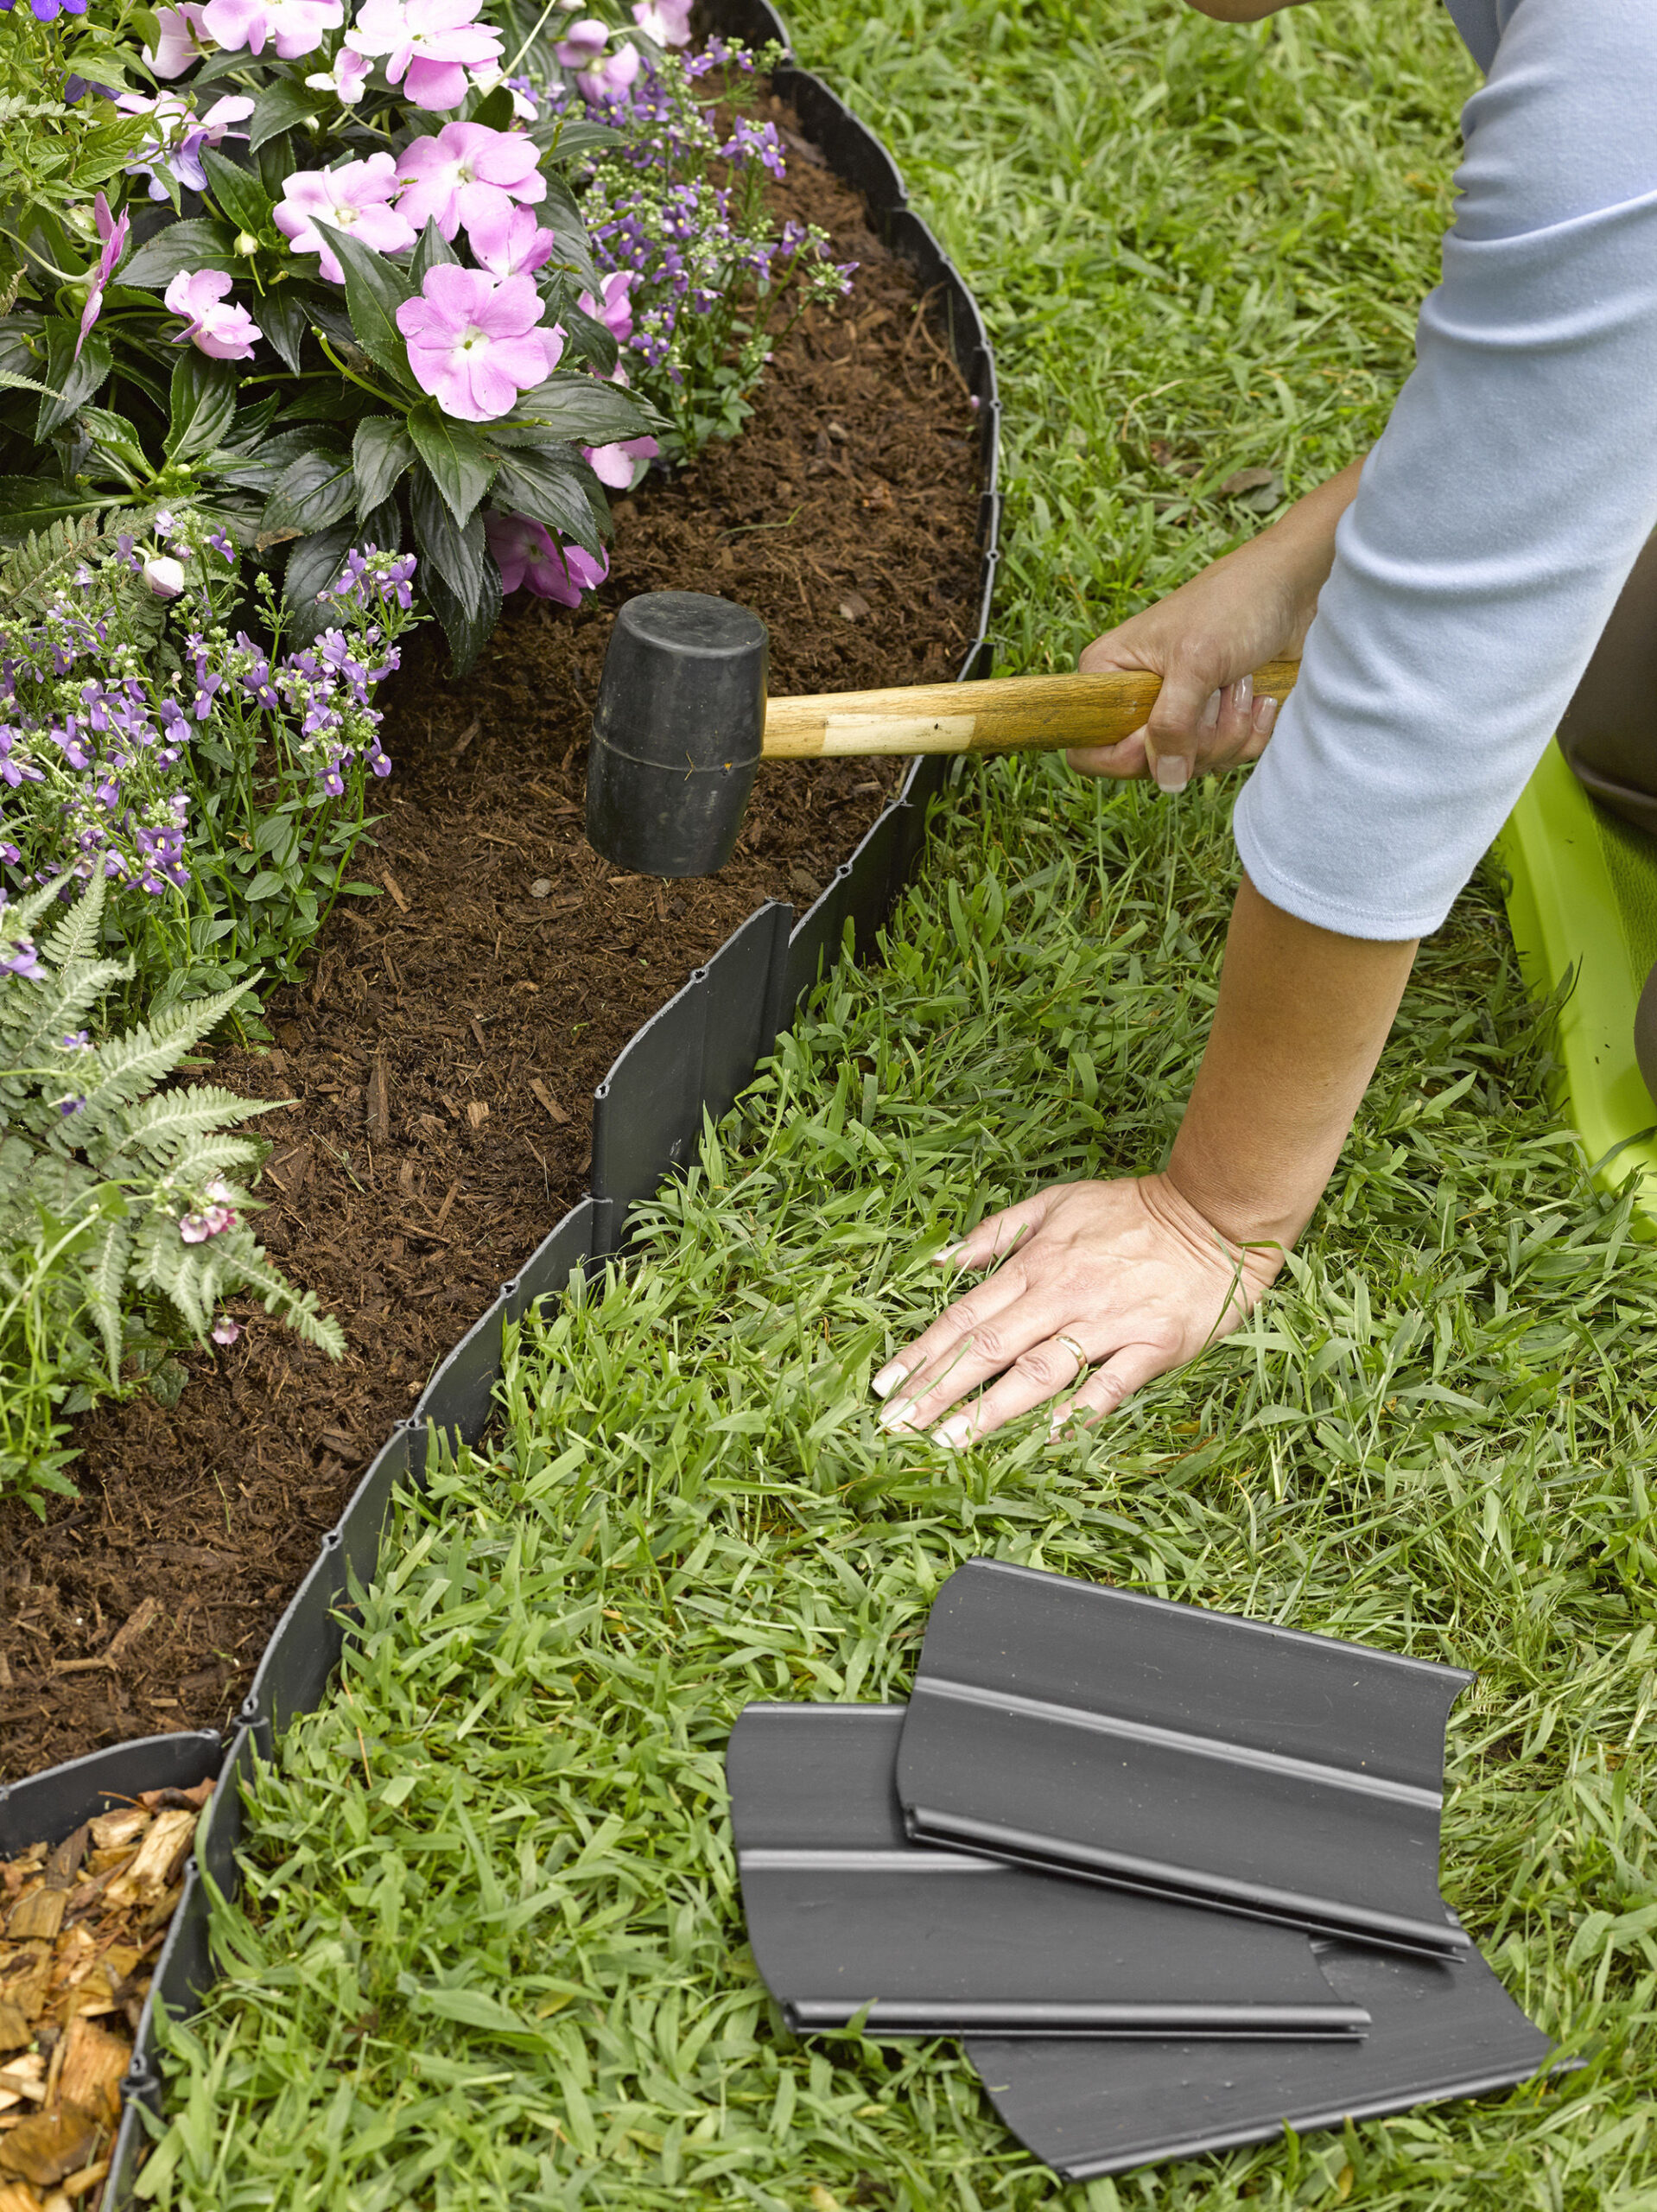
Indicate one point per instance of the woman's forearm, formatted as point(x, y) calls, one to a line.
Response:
point(1302, 1017)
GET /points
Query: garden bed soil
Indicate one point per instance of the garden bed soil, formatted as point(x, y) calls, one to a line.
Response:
point(441, 1059)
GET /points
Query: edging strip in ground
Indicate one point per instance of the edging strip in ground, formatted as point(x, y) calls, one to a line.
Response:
point(694, 1057)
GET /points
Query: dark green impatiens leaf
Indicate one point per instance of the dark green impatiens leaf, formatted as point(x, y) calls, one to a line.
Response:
point(552, 486)
point(202, 242)
point(73, 382)
point(32, 502)
point(461, 464)
point(314, 567)
point(495, 112)
point(458, 576)
point(285, 315)
point(311, 493)
point(558, 214)
point(467, 623)
point(584, 410)
point(241, 197)
point(202, 404)
point(431, 248)
point(261, 470)
point(375, 289)
point(380, 452)
point(277, 109)
point(116, 443)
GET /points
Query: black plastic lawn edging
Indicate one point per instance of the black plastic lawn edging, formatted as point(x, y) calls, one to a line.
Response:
point(692, 1057)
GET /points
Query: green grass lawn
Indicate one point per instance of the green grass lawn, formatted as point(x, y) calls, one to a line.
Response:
point(492, 1954)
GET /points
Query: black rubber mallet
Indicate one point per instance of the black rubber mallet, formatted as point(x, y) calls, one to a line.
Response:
point(683, 723)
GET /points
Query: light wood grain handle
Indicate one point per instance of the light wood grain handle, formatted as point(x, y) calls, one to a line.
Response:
point(1006, 714)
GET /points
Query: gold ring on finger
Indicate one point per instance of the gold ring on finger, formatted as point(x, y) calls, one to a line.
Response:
point(1075, 1352)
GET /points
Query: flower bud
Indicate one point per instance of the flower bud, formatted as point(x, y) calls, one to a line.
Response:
point(247, 244)
point(164, 575)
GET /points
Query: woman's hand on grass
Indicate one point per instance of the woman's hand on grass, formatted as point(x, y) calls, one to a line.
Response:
point(1101, 1285)
point(1205, 640)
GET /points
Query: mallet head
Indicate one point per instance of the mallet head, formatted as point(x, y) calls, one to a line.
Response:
point(676, 733)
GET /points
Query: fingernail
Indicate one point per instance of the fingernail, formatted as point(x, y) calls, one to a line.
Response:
point(887, 1380)
point(1265, 715)
point(953, 1432)
point(943, 1258)
point(1242, 694)
point(1211, 711)
point(897, 1413)
point(1172, 775)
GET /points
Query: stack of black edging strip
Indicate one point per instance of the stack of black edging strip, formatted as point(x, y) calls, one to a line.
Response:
point(1174, 1875)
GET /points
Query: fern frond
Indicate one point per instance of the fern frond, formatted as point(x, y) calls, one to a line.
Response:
point(169, 1119)
point(131, 1064)
point(39, 560)
point(44, 1012)
point(77, 936)
point(105, 1279)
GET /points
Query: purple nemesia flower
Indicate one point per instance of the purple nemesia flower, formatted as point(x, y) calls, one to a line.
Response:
point(220, 544)
point(468, 175)
point(428, 46)
point(179, 134)
point(48, 11)
point(71, 1106)
point(525, 553)
point(112, 231)
point(473, 340)
point(353, 198)
point(754, 142)
point(294, 27)
point(21, 958)
point(78, 1040)
point(214, 324)
point(224, 1330)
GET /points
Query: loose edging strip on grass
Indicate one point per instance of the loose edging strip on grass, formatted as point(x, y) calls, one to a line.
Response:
point(689, 1062)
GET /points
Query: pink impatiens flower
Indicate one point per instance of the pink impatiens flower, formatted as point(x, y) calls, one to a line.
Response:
point(214, 325)
point(612, 76)
point(346, 80)
point(525, 553)
point(429, 46)
point(582, 43)
point(113, 233)
point(668, 21)
point(617, 465)
point(475, 341)
point(181, 43)
point(295, 26)
point(468, 174)
point(615, 309)
point(512, 245)
point(354, 199)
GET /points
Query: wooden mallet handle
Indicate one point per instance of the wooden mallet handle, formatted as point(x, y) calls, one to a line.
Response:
point(1006, 714)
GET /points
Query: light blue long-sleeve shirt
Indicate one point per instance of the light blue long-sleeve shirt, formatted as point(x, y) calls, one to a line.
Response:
point(1503, 508)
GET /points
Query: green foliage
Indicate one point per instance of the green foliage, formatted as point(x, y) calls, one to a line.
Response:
point(54, 152)
point(259, 764)
point(119, 1228)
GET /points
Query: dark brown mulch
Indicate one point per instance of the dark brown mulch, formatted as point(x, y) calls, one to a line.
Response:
point(444, 1054)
